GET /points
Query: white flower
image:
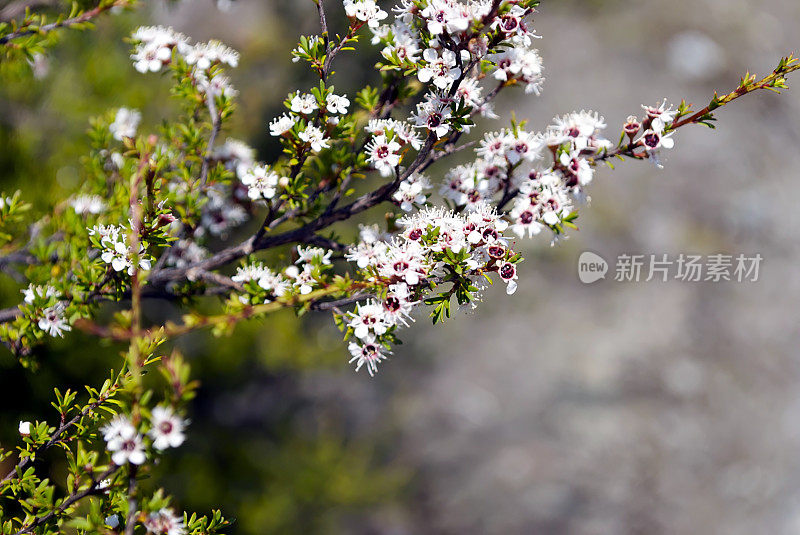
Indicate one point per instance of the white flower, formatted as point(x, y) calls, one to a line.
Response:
point(88, 204)
point(411, 191)
point(442, 71)
point(25, 428)
point(659, 116)
point(508, 272)
point(406, 134)
point(368, 320)
point(281, 125)
point(433, 114)
point(304, 103)
point(383, 154)
point(303, 280)
point(165, 522)
point(368, 354)
point(167, 430)
point(250, 272)
point(521, 64)
point(493, 146)
point(261, 182)
point(366, 11)
point(337, 103)
point(125, 123)
point(313, 254)
point(217, 86)
point(53, 321)
point(116, 250)
point(273, 283)
point(34, 292)
point(525, 146)
point(446, 16)
point(123, 441)
point(652, 140)
point(314, 136)
point(154, 47)
point(578, 167)
point(204, 55)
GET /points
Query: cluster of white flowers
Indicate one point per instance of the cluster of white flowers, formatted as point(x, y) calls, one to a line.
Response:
point(365, 11)
point(167, 429)
point(653, 128)
point(440, 40)
point(264, 285)
point(154, 49)
point(126, 443)
point(383, 153)
point(51, 317)
point(411, 191)
point(36, 293)
point(125, 123)
point(433, 243)
point(53, 320)
point(185, 252)
point(165, 522)
point(273, 284)
point(88, 204)
point(116, 250)
point(221, 213)
point(261, 182)
point(306, 112)
point(402, 131)
point(155, 44)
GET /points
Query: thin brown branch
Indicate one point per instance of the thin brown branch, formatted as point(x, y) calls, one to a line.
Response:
point(86, 16)
point(69, 501)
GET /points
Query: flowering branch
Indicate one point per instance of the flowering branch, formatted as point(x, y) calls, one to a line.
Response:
point(34, 24)
point(153, 207)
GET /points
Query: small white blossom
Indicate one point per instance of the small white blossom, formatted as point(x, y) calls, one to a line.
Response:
point(24, 428)
point(167, 430)
point(440, 70)
point(368, 320)
point(383, 154)
point(368, 354)
point(315, 137)
point(34, 292)
point(123, 441)
point(125, 123)
point(281, 125)
point(53, 321)
point(304, 103)
point(366, 11)
point(204, 55)
point(88, 204)
point(261, 182)
point(313, 255)
point(337, 103)
point(165, 522)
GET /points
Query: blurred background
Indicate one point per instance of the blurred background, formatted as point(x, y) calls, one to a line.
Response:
point(621, 408)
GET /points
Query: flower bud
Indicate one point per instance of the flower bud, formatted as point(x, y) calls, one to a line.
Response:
point(25, 429)
point(632, 126)
point(165, 219)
